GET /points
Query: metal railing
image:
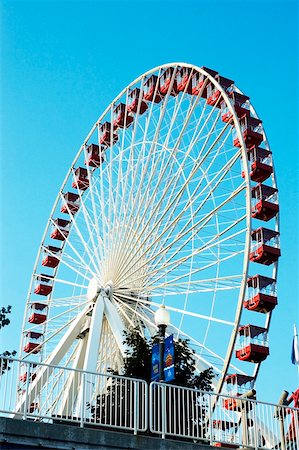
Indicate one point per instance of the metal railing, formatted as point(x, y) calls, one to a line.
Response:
point(53, 393)
point(222, 420)
point(47, 393)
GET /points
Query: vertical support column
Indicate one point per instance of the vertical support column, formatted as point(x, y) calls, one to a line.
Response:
point(27, 391)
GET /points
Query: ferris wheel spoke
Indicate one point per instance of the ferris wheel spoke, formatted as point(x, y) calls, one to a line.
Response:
point(61, 259)
point(75, 251)
point(181, 213)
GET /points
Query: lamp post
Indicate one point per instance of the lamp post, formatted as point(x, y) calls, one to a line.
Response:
point(162, 319)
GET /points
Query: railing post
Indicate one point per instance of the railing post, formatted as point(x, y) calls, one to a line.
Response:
point(163, 411)
point(83, 401)
point(26, 391)
point(254, 407)
point(136, 408)
point(210, 418)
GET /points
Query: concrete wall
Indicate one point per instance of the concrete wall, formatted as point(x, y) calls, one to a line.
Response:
point(22, 435)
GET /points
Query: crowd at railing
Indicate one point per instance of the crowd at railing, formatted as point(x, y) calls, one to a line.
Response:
point(56, 394)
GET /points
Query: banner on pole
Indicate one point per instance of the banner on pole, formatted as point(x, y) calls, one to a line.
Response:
point(155, 363)
point(168, 360)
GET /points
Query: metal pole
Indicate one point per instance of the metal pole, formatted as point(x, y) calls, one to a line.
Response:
point(162, 329)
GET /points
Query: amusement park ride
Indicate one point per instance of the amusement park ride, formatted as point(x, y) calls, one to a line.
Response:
point(171, 199)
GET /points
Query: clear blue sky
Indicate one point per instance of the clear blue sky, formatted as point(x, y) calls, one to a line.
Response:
point(62, 62)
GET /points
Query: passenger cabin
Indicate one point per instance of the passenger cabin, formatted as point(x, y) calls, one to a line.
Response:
point(252, 132)
point(265, 202)
point(168, 81)
point(241, 106)
point(33, 342)
point(265, 246)
point(107, 135)
point(24, 372)
point(214, 94)
point(121, 118)
point(95, 156)
point(81, 180)
point(235, 386)
point(136, 102)
point(61, 229)
point(44, 284)
point(151, 89)
point(38, 313)
point(260, 164)
point(224, 431)
point(70, 203)
point(184, 80)
point(252, 344)
point(198, 80)
point(261, 294)
point(51, 255)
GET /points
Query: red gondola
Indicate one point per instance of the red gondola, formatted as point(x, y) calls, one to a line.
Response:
point(121, 117)
point(151, 89)
point(33, 342)
point(107, 136)
point(38, 313)
point(49, 259)
point(135, 102)
point(265, 205)
point(198, 80)
point(70, 203)
point(213, 93)
point(61, 229)
point(235, 386)
point(253, 344)
point(261, 294)
point(44, 284)
point(260, 161)
point(252, 132)
point(184, 77)
point(167, 80)
point(81, 180)
point(266, 248)
point(240, 103)
point(95, 156)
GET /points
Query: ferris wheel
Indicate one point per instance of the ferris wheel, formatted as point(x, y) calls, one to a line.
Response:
point(165, 203)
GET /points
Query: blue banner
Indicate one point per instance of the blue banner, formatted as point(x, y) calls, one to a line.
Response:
point(155, 363)
point(168, 360)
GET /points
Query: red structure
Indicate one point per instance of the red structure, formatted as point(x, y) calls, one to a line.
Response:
point(44, 285)
point(184, 80)
point(252, 132)
point(253, 346)
point(38, 313)
point(213, 93)
point(95, 156)
point(235, 386)
point(266, 248)
point(167, 79)
point(265, 202)
point(121, 117)
point(260, 161)
point(33, 342)
point(135, 102)
point(294, 425)
point(151, 89)
point(107, 136)
point(49, 260)
point(70, 203)
point(240, 103)
point(261, 294)
point(198, 80)
point(81, 180)
point(61, 229)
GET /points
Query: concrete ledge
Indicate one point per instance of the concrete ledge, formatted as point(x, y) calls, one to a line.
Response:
point(21, 434)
